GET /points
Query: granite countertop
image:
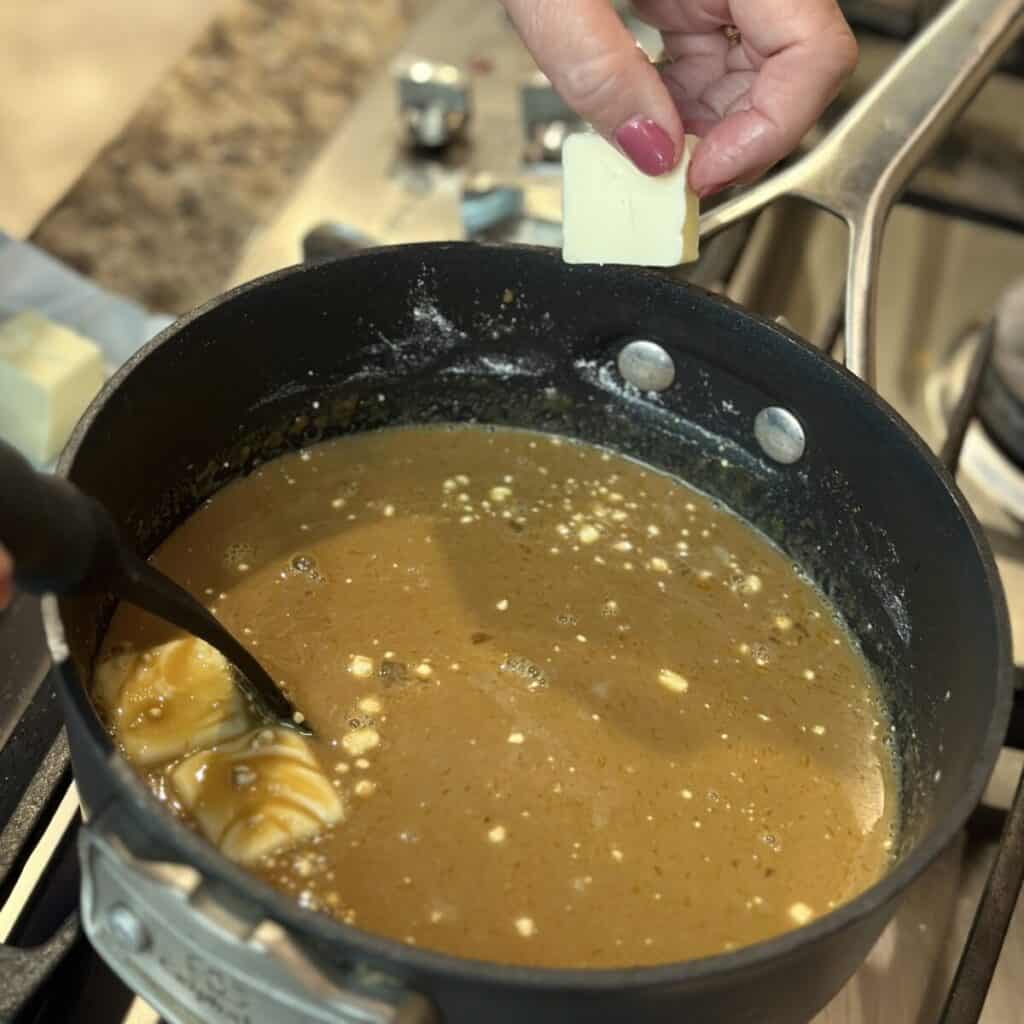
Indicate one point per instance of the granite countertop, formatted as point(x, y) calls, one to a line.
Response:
point(162, 213)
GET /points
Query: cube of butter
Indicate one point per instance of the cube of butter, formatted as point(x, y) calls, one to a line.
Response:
point(48, 376)
point(168, 701)
point(614, 213)
point(259, 793)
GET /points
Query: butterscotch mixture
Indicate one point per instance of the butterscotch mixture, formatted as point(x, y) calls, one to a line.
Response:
point(567, 711)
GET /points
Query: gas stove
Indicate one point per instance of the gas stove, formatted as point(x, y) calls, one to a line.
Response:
point(461, 139)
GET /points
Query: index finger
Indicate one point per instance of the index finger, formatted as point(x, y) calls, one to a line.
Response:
point(596, 65)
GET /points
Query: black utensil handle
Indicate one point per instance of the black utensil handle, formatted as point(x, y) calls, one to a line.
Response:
point(140, 584)
point(61, 540)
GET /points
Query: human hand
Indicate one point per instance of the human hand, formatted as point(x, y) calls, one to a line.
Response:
point(6, 578)
point(749, 76)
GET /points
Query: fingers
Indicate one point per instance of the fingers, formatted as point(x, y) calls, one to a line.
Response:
point(752, 107)
point(594, 63)
point(785, 100)
point(6, 578)
point(801, 50)
point(780, 110)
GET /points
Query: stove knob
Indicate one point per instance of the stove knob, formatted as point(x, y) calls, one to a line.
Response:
point(486, 204)
point(1001, 401)
point(547, 120)
point(1009, 348)
point(331, 240)
point(435, 101)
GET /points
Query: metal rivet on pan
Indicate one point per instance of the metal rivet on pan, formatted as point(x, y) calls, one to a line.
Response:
point(780, 435)
point(129, 932)
point(647, 366)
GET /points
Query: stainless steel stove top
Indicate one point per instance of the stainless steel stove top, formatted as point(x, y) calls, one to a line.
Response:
point(942, 276)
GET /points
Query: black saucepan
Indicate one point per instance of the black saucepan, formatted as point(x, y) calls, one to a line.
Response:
point(501, 335)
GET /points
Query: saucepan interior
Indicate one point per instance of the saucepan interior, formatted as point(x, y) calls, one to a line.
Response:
point(457, 333)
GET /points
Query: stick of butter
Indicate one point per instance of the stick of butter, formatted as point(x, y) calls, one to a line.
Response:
point(48, 376)
point(614, 213)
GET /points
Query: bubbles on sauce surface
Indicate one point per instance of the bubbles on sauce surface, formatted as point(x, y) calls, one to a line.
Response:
point(530, 660)
point(305, 565)
point(526, 669)
point(239, 556)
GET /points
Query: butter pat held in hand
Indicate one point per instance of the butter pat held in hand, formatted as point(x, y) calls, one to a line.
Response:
point(614, 213)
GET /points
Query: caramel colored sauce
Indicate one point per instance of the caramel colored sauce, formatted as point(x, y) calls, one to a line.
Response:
point(576, 713)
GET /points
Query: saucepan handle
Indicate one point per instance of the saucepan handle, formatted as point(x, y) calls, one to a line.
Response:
point(863, 163)
point(168, 934)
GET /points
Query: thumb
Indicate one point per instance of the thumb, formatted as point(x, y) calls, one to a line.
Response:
point(595, 64)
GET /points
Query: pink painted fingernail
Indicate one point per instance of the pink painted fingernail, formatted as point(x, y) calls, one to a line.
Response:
point(648, 145)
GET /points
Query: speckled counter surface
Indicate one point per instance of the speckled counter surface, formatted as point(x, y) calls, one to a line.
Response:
point(163, 212)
